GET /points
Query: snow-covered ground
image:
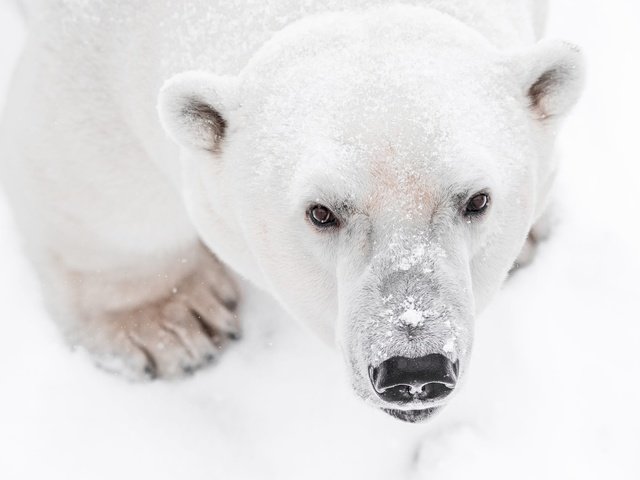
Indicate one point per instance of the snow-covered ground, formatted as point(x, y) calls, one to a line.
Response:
point(553, 388)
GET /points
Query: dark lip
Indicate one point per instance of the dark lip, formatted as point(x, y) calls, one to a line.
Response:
point(412, 416)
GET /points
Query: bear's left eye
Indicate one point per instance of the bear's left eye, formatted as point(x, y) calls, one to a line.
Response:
point(322, 217)
point(477, 204)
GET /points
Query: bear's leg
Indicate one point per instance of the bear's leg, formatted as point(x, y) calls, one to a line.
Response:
point(102, 217)
point(538, 233)
point(146, 325)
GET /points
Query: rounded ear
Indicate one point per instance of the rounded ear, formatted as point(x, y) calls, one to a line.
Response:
point(553, 77)
point(193, 107)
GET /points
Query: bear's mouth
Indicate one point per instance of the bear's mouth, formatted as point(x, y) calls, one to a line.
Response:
point(411, 416)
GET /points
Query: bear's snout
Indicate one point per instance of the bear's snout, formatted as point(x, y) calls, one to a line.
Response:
point(404, 380)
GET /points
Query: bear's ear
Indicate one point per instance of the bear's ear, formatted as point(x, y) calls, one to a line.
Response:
point(193, 108)
point(553, 77)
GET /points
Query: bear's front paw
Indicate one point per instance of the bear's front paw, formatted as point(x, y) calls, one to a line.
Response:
point(538, 233)
point(171, 336)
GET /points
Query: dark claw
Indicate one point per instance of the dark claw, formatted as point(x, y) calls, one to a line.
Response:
point(230, 304)
point(150, 371)
point(234, 335)
point(208, 331)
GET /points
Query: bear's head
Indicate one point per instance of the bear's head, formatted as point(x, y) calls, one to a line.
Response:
point(378, 173)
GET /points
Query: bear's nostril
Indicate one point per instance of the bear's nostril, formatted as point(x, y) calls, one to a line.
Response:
point(403, 379)
point(433, 391)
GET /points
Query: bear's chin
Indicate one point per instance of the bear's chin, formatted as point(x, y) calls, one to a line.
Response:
point(411, 416)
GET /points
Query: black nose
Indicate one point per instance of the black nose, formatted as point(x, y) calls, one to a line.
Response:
point(402, 379)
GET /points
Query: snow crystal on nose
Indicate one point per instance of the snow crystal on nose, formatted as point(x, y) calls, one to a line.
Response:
point(449, 346)
point(412, 317)
point(411, 257)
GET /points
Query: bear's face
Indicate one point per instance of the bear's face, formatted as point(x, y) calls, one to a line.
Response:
point(378, 173)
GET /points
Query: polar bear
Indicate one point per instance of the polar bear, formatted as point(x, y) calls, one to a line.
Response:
point(377, 167)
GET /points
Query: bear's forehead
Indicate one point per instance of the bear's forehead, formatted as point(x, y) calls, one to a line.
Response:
point(395, 117)
point(368, 80)
point(394, 184)
point(385, 56)
point(412, 100)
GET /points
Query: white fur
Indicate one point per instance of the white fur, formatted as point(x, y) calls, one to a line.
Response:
point(391, 113)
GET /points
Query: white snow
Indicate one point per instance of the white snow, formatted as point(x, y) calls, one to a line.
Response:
point(552, 391)
point(412, 317)
point(449, 346)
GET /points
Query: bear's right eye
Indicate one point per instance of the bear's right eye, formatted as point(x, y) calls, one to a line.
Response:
point(322, 217)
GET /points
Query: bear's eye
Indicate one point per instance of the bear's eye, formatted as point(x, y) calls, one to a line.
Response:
point(477, 204)
point(322, 217)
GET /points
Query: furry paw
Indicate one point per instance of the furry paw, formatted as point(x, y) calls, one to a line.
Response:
point(170, 336)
